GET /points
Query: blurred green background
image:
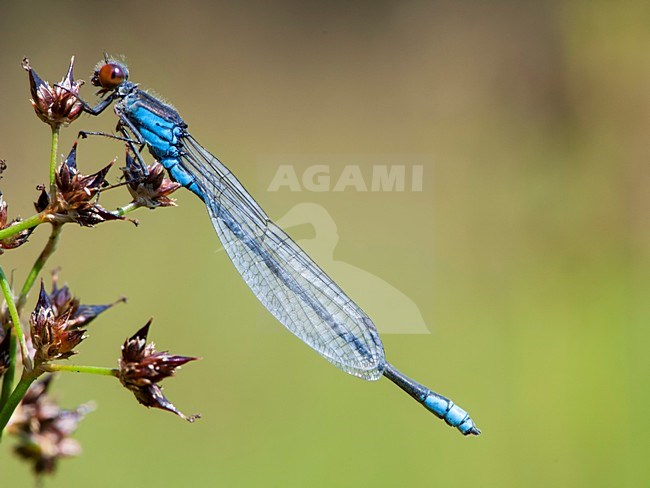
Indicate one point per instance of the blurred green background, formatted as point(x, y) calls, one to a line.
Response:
point(526, 252)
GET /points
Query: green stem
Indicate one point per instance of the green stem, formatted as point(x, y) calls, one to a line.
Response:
point(15, 398)
point(8, 377)
point(20, 226)
point(13, 312)
point(53, 156)
point(47, 251)
point(122, 211)
point(75, 368)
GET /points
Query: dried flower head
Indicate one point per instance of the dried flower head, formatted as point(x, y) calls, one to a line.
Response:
point(142, 368)
point(58, 105)
point(76, 197)
point(43, 429)
point(5, 344)
point(57, 321)
point(147, 184)
point(65, 304)
point(43, 199)
point(52, 337)
point(17, 239)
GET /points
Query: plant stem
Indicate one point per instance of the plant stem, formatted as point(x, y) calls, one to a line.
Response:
point(53, 155)
point(13, 312)
point(47, 251)
point(75, 368)
point(122, 211)
point(28, 378)
point(15, 398)
point(8, 377)
point(14, 229)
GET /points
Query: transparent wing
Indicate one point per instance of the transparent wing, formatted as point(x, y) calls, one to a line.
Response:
point(287, 282)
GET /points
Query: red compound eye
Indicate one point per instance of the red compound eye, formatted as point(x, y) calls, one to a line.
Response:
point(110, 75)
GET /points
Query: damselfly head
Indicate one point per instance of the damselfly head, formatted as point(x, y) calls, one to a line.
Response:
point(110, 75)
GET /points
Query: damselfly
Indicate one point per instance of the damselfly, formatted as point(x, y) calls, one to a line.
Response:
point(280, 274)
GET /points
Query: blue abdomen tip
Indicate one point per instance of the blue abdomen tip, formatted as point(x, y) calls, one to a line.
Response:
point(451, 413)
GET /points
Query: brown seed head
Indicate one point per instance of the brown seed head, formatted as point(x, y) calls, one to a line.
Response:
point(43, 428)
point(142, 368)
point(76, 196)
point(58, 105)
point(52, 335)
point(5, 344)
point(65, 304)
point(17, 239)
point(148, 185)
